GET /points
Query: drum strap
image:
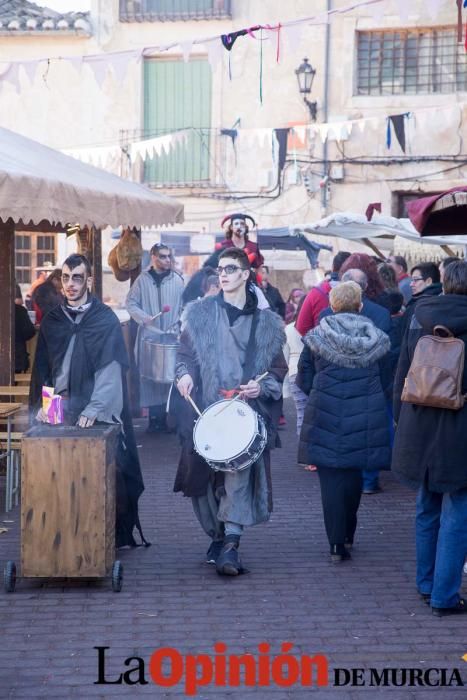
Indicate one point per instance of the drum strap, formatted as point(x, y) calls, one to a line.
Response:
point(249, 367)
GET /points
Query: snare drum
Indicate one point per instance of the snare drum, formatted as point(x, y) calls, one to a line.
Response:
point(230, 438)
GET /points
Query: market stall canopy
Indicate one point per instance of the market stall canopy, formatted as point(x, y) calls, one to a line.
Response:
point(357, 227)
point(441, 214)
point(38, 184)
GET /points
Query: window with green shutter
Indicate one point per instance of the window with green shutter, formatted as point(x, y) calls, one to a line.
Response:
point(177, 95)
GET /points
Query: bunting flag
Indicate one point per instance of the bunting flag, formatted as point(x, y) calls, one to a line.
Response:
point(398, 123)
point(30, 68)
point(186, 49)
point(116, 63)
point(276, 139)
point(120, 63)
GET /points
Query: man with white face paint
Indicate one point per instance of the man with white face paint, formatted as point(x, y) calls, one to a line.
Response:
point(227, 342)
point(82, 354)
point(236, 236)
point(154, 302)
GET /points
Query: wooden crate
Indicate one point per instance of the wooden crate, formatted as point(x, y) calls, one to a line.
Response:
point(68, 501)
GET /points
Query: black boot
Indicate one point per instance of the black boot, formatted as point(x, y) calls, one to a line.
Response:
point(228, 562)
point(215, 548)
point(339, 553)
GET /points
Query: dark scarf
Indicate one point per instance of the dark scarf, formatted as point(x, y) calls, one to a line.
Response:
point(158, 276)
point(233, 312)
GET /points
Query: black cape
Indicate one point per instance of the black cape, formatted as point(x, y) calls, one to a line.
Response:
point(99, 341)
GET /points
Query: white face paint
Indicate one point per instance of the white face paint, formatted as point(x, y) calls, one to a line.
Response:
point(239, 227)
point(75, 284)
point(231, 276)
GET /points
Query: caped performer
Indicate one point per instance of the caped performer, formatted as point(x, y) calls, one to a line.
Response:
point(227, 343)
point(82, 354)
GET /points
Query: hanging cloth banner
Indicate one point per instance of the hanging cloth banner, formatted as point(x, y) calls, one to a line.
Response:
point(281, 136)
point(398, 123)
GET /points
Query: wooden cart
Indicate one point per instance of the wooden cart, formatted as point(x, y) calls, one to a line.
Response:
point(67, 504)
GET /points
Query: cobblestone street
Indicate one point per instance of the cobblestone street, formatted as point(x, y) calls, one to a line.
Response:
point(362, 613)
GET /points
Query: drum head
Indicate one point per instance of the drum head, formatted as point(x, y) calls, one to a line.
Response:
point(221, 435)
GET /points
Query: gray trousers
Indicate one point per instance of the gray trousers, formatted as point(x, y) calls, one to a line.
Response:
point(242, 502)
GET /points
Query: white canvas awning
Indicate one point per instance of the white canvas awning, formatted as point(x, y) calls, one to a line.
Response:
point(357, 227)
point(38, 183)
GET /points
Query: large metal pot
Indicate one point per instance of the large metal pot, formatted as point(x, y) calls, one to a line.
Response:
point(158, 359)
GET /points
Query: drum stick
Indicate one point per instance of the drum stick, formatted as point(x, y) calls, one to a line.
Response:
point(188, 398)
point(234, 398)
point(165, 309)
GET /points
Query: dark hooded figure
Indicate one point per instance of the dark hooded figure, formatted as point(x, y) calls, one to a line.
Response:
point(82, 354)
point(430, 449)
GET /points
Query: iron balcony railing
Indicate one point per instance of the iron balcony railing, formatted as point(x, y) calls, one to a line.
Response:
point(173, 10)
point(196, 161)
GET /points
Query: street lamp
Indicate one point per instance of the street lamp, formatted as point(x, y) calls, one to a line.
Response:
point(305, 75)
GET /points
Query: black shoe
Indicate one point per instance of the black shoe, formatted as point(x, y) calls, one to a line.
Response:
point(458, 609)
point(339, 553)
point(153, 426)
point(215, 548)
point(426, 597)
point(228, 562)
point(370, 492)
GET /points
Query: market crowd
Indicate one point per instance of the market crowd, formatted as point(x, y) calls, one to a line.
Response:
point(374, 358)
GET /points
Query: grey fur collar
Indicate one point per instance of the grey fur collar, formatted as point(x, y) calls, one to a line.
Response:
point(201, 320)
point(348, 340)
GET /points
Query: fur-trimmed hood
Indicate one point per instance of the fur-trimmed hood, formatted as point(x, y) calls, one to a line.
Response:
point(348, 340)
point(201, 321)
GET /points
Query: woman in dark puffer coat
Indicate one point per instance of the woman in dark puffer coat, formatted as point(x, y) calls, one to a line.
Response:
point(346, 427)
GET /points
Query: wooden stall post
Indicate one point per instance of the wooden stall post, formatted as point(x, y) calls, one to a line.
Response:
point(133, 374)
point(7, 301)
point(96, 255)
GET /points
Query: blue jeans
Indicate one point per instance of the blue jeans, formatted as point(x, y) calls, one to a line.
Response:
point(370, 479)
point(441, 543)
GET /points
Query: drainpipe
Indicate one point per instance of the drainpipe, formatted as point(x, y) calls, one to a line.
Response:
point(327, 59)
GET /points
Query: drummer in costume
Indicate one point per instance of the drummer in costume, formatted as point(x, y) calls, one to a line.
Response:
point(226, 343)
point(82, 354)
point(155, 290)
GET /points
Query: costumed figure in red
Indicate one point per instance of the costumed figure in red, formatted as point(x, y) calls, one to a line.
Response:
point(236, 235)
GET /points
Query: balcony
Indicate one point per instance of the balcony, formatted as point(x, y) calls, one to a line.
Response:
point(173, 10)
point(197, 162)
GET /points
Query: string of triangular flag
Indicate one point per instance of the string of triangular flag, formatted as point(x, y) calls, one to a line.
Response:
point(119, 61)
point(154, 147)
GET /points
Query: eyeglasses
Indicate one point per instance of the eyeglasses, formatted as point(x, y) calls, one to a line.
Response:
point(161, 256)
point(417, 279)
point(228, 269)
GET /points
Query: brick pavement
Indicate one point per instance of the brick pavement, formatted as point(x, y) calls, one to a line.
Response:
point(361, 614)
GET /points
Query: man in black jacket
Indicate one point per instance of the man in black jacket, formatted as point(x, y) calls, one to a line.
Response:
point(425, 282)
point(271, 293)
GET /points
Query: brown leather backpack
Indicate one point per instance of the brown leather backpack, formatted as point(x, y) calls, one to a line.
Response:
point(435, 374)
